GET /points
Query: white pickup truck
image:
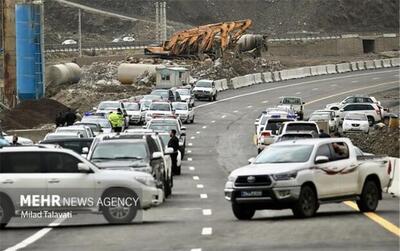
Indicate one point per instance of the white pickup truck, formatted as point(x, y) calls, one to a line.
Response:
point(302, 174)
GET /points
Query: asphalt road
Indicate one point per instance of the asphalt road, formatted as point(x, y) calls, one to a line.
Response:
point(198, 218)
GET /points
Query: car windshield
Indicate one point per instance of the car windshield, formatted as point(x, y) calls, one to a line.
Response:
point(104, 123)
point(274, 124)
point(70, 130)
point(161, 93)
point(60, 136)
point(285, 154)
point(119, 151)
point(291, 101)
point(319, 116)
point(165, 138)
point(183, 91)
point(356, 116)
point(301, 127)
point(163, 127)
point(94, 127)
point(160, 107)
point(205, 84)
point(295, 136)
point(109, 106)
point(180, 106)
point(132, 106)
point(152, 97)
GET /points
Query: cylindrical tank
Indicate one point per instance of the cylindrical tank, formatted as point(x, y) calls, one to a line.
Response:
point(128, 73)
point(29, 51)
point(59, 74)
point(249, 42)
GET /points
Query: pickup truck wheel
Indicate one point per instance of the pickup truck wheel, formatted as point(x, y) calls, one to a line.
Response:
point(307, 204)
point(371, 120)
point(243, 212)
point(5, 213)
point(369, 197)
point(120, 214)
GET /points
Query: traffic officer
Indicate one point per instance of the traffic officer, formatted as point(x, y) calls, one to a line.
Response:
point(117, 120)
point(174, 144)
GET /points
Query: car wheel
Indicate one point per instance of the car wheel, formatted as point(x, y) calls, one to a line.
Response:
point(121, 214)
point(243, 212)
point(167, 187)
point(192, 120)
point(5, 212)
point(210, 98)
point(371, 120)
point(307, 204)
point(369, 197)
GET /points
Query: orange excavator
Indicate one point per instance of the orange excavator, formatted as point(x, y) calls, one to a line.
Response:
point(211, 39)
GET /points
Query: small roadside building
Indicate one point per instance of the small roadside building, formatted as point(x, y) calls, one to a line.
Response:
point(168, 77)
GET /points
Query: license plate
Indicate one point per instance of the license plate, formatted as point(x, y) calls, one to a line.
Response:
point(251, 193)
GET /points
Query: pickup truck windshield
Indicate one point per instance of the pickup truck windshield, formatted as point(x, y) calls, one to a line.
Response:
point(291, 101)
point(160, 107)
point(285, 154)
point(119, 151)
point(301, 127)
point(109, 106)
point(204, 84)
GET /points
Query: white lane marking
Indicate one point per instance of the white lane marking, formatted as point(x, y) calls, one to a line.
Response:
point(196, 178)
point(291, 85)
point(315, 89)
point(235, 111)
point(353, 90)
point(189, 151)
point(250, 106)
point(355, 81)
point(191, 168)
point(193, 137)
point(37, 236)
point(375, 78)
point(213, 121)
point(333, 85)
point(206, 231)
point(207, 212)
point(203, 196)
point(190, 144)
point(197, 132)
point(223, 116)
point(204, 127)
point(200, 186)
point(195, 249)
point(298, 93)
point(265, 101)
point(190, 159)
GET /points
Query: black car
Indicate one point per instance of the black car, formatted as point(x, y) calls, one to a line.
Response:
point(78, 145)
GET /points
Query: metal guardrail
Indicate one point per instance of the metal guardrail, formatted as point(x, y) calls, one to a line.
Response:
point(98, 46)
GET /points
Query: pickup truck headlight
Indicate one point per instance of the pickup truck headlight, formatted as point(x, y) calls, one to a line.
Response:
point(147, 181)
point(145, 169)
point(284, 176)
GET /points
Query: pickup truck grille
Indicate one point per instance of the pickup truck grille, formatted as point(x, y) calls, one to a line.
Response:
point(254, 180)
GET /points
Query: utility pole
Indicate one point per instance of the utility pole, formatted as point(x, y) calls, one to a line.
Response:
point(9, 89)
point(80, 32)
point(158, 39)
point(164, 21)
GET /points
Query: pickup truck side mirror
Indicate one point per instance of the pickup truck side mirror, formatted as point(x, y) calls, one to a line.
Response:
point(251, 160)
point(157, 155)
point(321, 159)
point(169, 150)
point(85, 150)
point(83, 168)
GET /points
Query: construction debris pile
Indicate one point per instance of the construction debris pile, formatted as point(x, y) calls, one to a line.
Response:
point(31, 114)
point(380, 141)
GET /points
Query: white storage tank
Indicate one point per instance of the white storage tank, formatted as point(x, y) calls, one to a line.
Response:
point(128, 73)
point(60, 74)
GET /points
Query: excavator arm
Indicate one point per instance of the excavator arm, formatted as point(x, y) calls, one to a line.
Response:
point(202, 39)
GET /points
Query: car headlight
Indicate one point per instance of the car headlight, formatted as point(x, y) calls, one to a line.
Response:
point(146, 180)
point(285, 176)
point(231, 178)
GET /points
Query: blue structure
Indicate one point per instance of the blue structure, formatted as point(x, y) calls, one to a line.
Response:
point(29, 51)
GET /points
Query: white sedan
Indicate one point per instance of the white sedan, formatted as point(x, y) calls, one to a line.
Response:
point(21, 140)
point(355, 122)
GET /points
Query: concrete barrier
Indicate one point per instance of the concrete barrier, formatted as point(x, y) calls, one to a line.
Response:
point(224, 84)
point(360, 65)
point(321, 70)
point(344, 67)
point(353, 66)
point(386, 63)
point(395, 62)
point(331, 69)
point(369, 65)
point(303, 72)
point(267, 77)
point(218, 85)
point(258, 78)
point(378, 63)
point(395, 175)
point(314, 70)
point(234, 83)
point(285, 74)
point(276, 76)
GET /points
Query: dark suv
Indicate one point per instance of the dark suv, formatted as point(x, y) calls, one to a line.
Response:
point(126, 152)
